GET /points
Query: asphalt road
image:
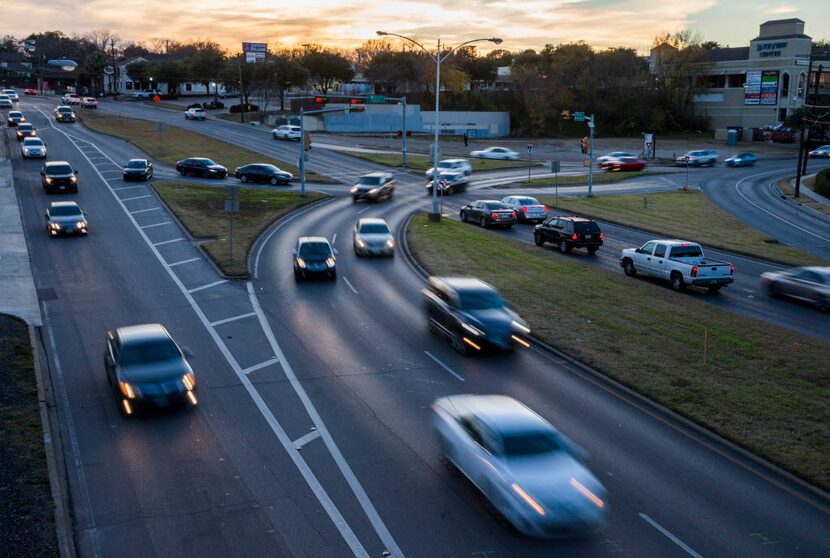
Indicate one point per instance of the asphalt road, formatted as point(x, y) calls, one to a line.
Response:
point(311, 437)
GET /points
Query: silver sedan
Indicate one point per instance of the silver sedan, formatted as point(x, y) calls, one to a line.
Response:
point(372, 237)
point(810, 284)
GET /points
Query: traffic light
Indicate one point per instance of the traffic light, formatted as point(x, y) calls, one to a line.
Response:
point(319, 100)
point(566, 115)
point(355, 101)
point(306, 141)
point(584, 143)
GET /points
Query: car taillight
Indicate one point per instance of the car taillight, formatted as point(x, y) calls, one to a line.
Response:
point(601, 236)
point(545, 208)
point(694, 271)
point(494, 215)
point(524, 209)
point(731, 270)
point(573, 236)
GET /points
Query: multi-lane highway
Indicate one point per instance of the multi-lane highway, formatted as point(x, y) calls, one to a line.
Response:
point(312, 436)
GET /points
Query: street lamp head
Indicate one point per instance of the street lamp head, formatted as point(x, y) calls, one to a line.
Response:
point(382, 33)
point(496, 40)
point(65, 65)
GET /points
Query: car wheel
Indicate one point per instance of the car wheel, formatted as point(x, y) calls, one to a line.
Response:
point(297, 275)
point(274, 181)
point(538, 239)
point(458, 344)
point(183, 172)
point(483, 223)
point(773, 290)
point(243, 178)
point(563, 246)
point(629, 269)
point(333, 275)
point(463, 216)
point(592, 250)
point(677, 282)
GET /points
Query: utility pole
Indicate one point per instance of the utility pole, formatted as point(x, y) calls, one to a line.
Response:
point(242, 99)
point(801, 165)
point(591, 124)
point(403, 137)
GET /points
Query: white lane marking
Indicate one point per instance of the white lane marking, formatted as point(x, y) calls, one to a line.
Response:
point(142, 210)
point(231, 319)
point(346, 279)
point(334, 238)
point(129, 187)
point(209, 285)
point(314, 484)
point(184, 262)
point(136, 197)
point(165, 241)
point(260, 366)
point(671, 537)
point(362, 210)
point(303, 440)
point(157, 224)
point(444, 366)
point(92, 530)
point(360, 494)
point(281, 224)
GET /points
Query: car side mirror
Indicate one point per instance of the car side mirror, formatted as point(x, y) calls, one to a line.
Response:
point(334, 250)
point(187, 352)
point(76, 172)
point(42, 173)
point(294, 251)
point(46, 214)
point(84, 212)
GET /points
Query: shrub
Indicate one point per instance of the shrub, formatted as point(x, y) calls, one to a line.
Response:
point(248, 108)
point(194, 105)
point(823, 183)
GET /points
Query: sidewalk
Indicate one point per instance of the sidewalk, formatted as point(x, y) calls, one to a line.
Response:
point(18, 295)
point(807, 191)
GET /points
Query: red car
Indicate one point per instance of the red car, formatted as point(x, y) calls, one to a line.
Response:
point(30, 92)
point(624, 164)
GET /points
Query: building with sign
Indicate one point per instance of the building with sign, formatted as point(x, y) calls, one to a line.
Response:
point(763, 83)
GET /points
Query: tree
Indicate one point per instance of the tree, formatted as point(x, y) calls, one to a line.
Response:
point(132, 50)
point(208, 65)
point(286, 73)
point(389, 69)
point(326, 67)
point(680, 63)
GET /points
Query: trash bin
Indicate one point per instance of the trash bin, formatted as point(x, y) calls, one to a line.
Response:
point(739, 129)
point(732, 137)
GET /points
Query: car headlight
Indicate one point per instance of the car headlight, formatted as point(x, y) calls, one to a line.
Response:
point(526, 497)
point(374, 191)
point(189, 381)
point(54, 226)
point(48, 180)
point(330, 262)
point(73, 179)
point(80, 225)
point(520, 326)
point(127, 390)
point(390, 243)
point(354, 189)
point(472, 329)
point(301, 263)
point(361, 244)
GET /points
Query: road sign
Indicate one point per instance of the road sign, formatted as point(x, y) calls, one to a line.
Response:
point(529, 147)
point(579, 116)
point(232, 206)
point(375, 98)
point(553, 166)
point(160, 127)
point(442, 184)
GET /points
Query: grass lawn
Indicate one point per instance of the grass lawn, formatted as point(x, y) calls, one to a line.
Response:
point(27, 527)
point(201, 210)
point(687, 215)
point(600, 177)
point(763, 387)
point(424, 162)
point(176, 143)
point(788, 190)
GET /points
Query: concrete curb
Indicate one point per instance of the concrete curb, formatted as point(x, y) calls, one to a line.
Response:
point(751, 462)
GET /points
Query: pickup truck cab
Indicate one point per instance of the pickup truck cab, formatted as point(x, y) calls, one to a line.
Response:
point(146, 94)
point(678, 261)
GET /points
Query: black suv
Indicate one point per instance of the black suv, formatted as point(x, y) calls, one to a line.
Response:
point(314, 256)
point(199, 166)
point(59, 176)
point(472, 315)
point(569, 232)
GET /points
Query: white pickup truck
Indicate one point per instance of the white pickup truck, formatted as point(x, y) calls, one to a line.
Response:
point(680, 262)
point(146, 94)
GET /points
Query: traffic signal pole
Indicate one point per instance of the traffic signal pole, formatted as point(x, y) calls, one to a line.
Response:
point(302, 153)
point(591, 156)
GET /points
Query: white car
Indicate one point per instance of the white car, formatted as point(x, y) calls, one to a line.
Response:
point(698, 158)
point(452, 165)
point(195, 114)
point(823, 151)
point(5, 102)
point(89, 102)
point(372, 237)
point(527, 208)
point(71, 99)
point(11, 94)
point(613, 155)
point(527, 470)
point(286, 132)
point(33, 147)
point(146, 94)
point(496, 153)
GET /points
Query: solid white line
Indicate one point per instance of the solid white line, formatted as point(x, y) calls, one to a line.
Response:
point(259, 366)
point(671, 537)
point(444, 366)
point(157, 224)
point(184, 262)
point(350, 285)
point(129, 187)
point(362, 210)
point(209, 285)
point(136, 198)
point(334, 238)
point(303, 440)
point(165, 241)
point(360, 494)
point(142, 210)
point(233, 319)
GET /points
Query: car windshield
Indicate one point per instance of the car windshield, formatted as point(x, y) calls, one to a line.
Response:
point(65, 110)
point(65, 210)
point(530, 443)
point(59, 169)
point(586, 228)
point(369, 180)
point(497, 205)
point(484, 299)
point(528, 201)
point(315, 249)
point(15, 114)
point(135, 164)
point(32, 142)
point(374, 228)
point(269, 168)
point(25, 127)
point(149, 352)
point(690, 251)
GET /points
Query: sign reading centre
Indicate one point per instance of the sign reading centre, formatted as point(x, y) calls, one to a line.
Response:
point(254, 52)
point(761, 87)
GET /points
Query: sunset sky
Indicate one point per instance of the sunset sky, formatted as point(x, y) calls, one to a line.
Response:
point(347, 23)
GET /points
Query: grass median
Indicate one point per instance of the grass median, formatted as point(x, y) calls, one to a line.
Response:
point(763, 387)
point(26, 506)
point(176, 143)
point(201, 209)
point(424, 162)
point(688, 215)
point(602, 177)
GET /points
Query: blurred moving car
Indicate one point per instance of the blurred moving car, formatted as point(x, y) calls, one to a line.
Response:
point(261, 172)
point(228, 95)
point(11, 94)
point(452, 165)
point(613, 155)
point(453, 182)
point(374, 187)
point(372, 237)
point(810, 284)
point(65, 217)
point(5, 102)
point(89, 102)
point(33, 147)
point(15, 117)
point(488, 213)
point(526, 208)
point(25, 130)
point(568, 233)
point(496, 153)
point(30, 92)
point(698, 158)
point(624, 164)
point(740, 160)
point(145, 366)
point(314, 256)
point(195, 113)
point(146, 94)
point(138, 169)
point(201, 166)
point(823, 151)
point(58, 176)
point(71, 99)
point(64, 114)
point(472, 315)
point(286, 132)
point(526, 469)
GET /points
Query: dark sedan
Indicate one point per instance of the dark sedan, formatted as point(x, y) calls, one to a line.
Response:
point(488, 213)
point(810, 284)
point(200, 166)
point(314, 256)
point(741, 160)
point(65, 217)
point(138, 169)
point(15, 117)
point(374, 186)
point(58, 176)
point(25, 130)
point(263, 173)
point(145, 366)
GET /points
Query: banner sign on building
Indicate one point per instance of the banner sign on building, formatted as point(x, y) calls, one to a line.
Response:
point(254, 51)
point(769, 87)
point(752, 88)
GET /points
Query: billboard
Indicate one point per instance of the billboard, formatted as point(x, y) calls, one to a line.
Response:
point(752, 88)
point(254, 51)
point(769, 87)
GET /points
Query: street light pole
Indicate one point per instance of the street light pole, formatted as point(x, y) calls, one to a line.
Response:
point(403, 145)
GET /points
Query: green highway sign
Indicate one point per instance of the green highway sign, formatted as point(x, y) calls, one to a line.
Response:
point(579, 116)
point(375, 98)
